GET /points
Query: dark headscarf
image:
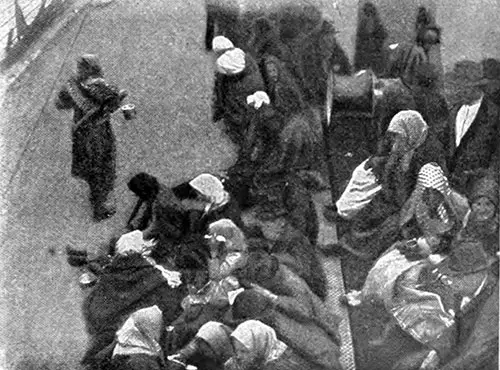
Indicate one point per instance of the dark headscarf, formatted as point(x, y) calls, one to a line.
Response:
point(91, 64)
point(250, 305)
point(485, 187)
point(145, 186)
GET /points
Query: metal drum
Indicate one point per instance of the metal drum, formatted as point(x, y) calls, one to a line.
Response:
point(129, 111)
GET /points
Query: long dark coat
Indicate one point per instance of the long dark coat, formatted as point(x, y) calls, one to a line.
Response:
point(301, 320)
point(94, 148)
point(231, 98)
point(477, 147)
point(129, 284)
point(294, 250)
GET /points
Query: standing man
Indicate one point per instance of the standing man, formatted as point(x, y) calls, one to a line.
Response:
point(474, 129)
point(93, 151)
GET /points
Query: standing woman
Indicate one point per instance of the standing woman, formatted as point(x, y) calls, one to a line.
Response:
point(370, 38)
point(94, 151)
point(406, 57)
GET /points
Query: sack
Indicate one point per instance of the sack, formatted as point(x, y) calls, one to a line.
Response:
point(361, 189)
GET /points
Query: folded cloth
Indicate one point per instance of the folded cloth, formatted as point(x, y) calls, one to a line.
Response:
point(257, 99)
point(362, 188)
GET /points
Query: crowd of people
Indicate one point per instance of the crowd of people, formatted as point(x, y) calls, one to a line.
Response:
point(223, 271)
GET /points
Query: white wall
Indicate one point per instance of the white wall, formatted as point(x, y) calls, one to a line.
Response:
point(471, 29)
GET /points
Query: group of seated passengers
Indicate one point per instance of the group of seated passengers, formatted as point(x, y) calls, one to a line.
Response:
point(260, 303)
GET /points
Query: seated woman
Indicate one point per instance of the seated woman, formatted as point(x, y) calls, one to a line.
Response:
point(290, 246)
point(215, 203)
point(436, 303)
point(206, 201)
point(282, 300)
point(163, 218)
point(368, 210)
point(128, 283)
point(429, 219)
point(138, 342)
point(251, 345)
point(228, 252)
point(183, 214)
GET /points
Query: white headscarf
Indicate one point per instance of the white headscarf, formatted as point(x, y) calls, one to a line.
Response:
point(259, 339)
point(231, 62)
point(221, 44)
point(211, 187)
point(228, 232)
point(140, 334)
point(133, 242)
point(410, 125)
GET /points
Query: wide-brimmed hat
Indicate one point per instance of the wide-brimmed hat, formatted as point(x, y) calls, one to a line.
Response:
point(464, 73)
point(491, 72)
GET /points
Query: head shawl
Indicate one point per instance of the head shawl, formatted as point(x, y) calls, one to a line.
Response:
point(216, 335)
point(485, 187)
point(221, 44)
point(491, 71)
point(412, 129)
point(431, 176)
point(230, 232)
point(259, 339)
point(258, 98)
point(144, 185)
point(140, 334)
point(211, 187)
point(411, 126)
point(133, 242)
point(231, 62)
point(91, 64)
point(250, 304)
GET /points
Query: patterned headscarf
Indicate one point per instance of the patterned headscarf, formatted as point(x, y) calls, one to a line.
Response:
point(259, 339)
point(140, 334)
point(221, 44)
point(231, 62)
point(431, 176)
point(411, 126)
point(91, 64)
point(485, 187)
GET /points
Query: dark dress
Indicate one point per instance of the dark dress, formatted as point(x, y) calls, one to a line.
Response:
point(231, 93)
point(301, 320)
point(285, 194)
point(128, 284)
point(94, 148)
point(370, 39)
point(319, 53)
point(164, 219)
point(294, 250)
point(432, 105)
